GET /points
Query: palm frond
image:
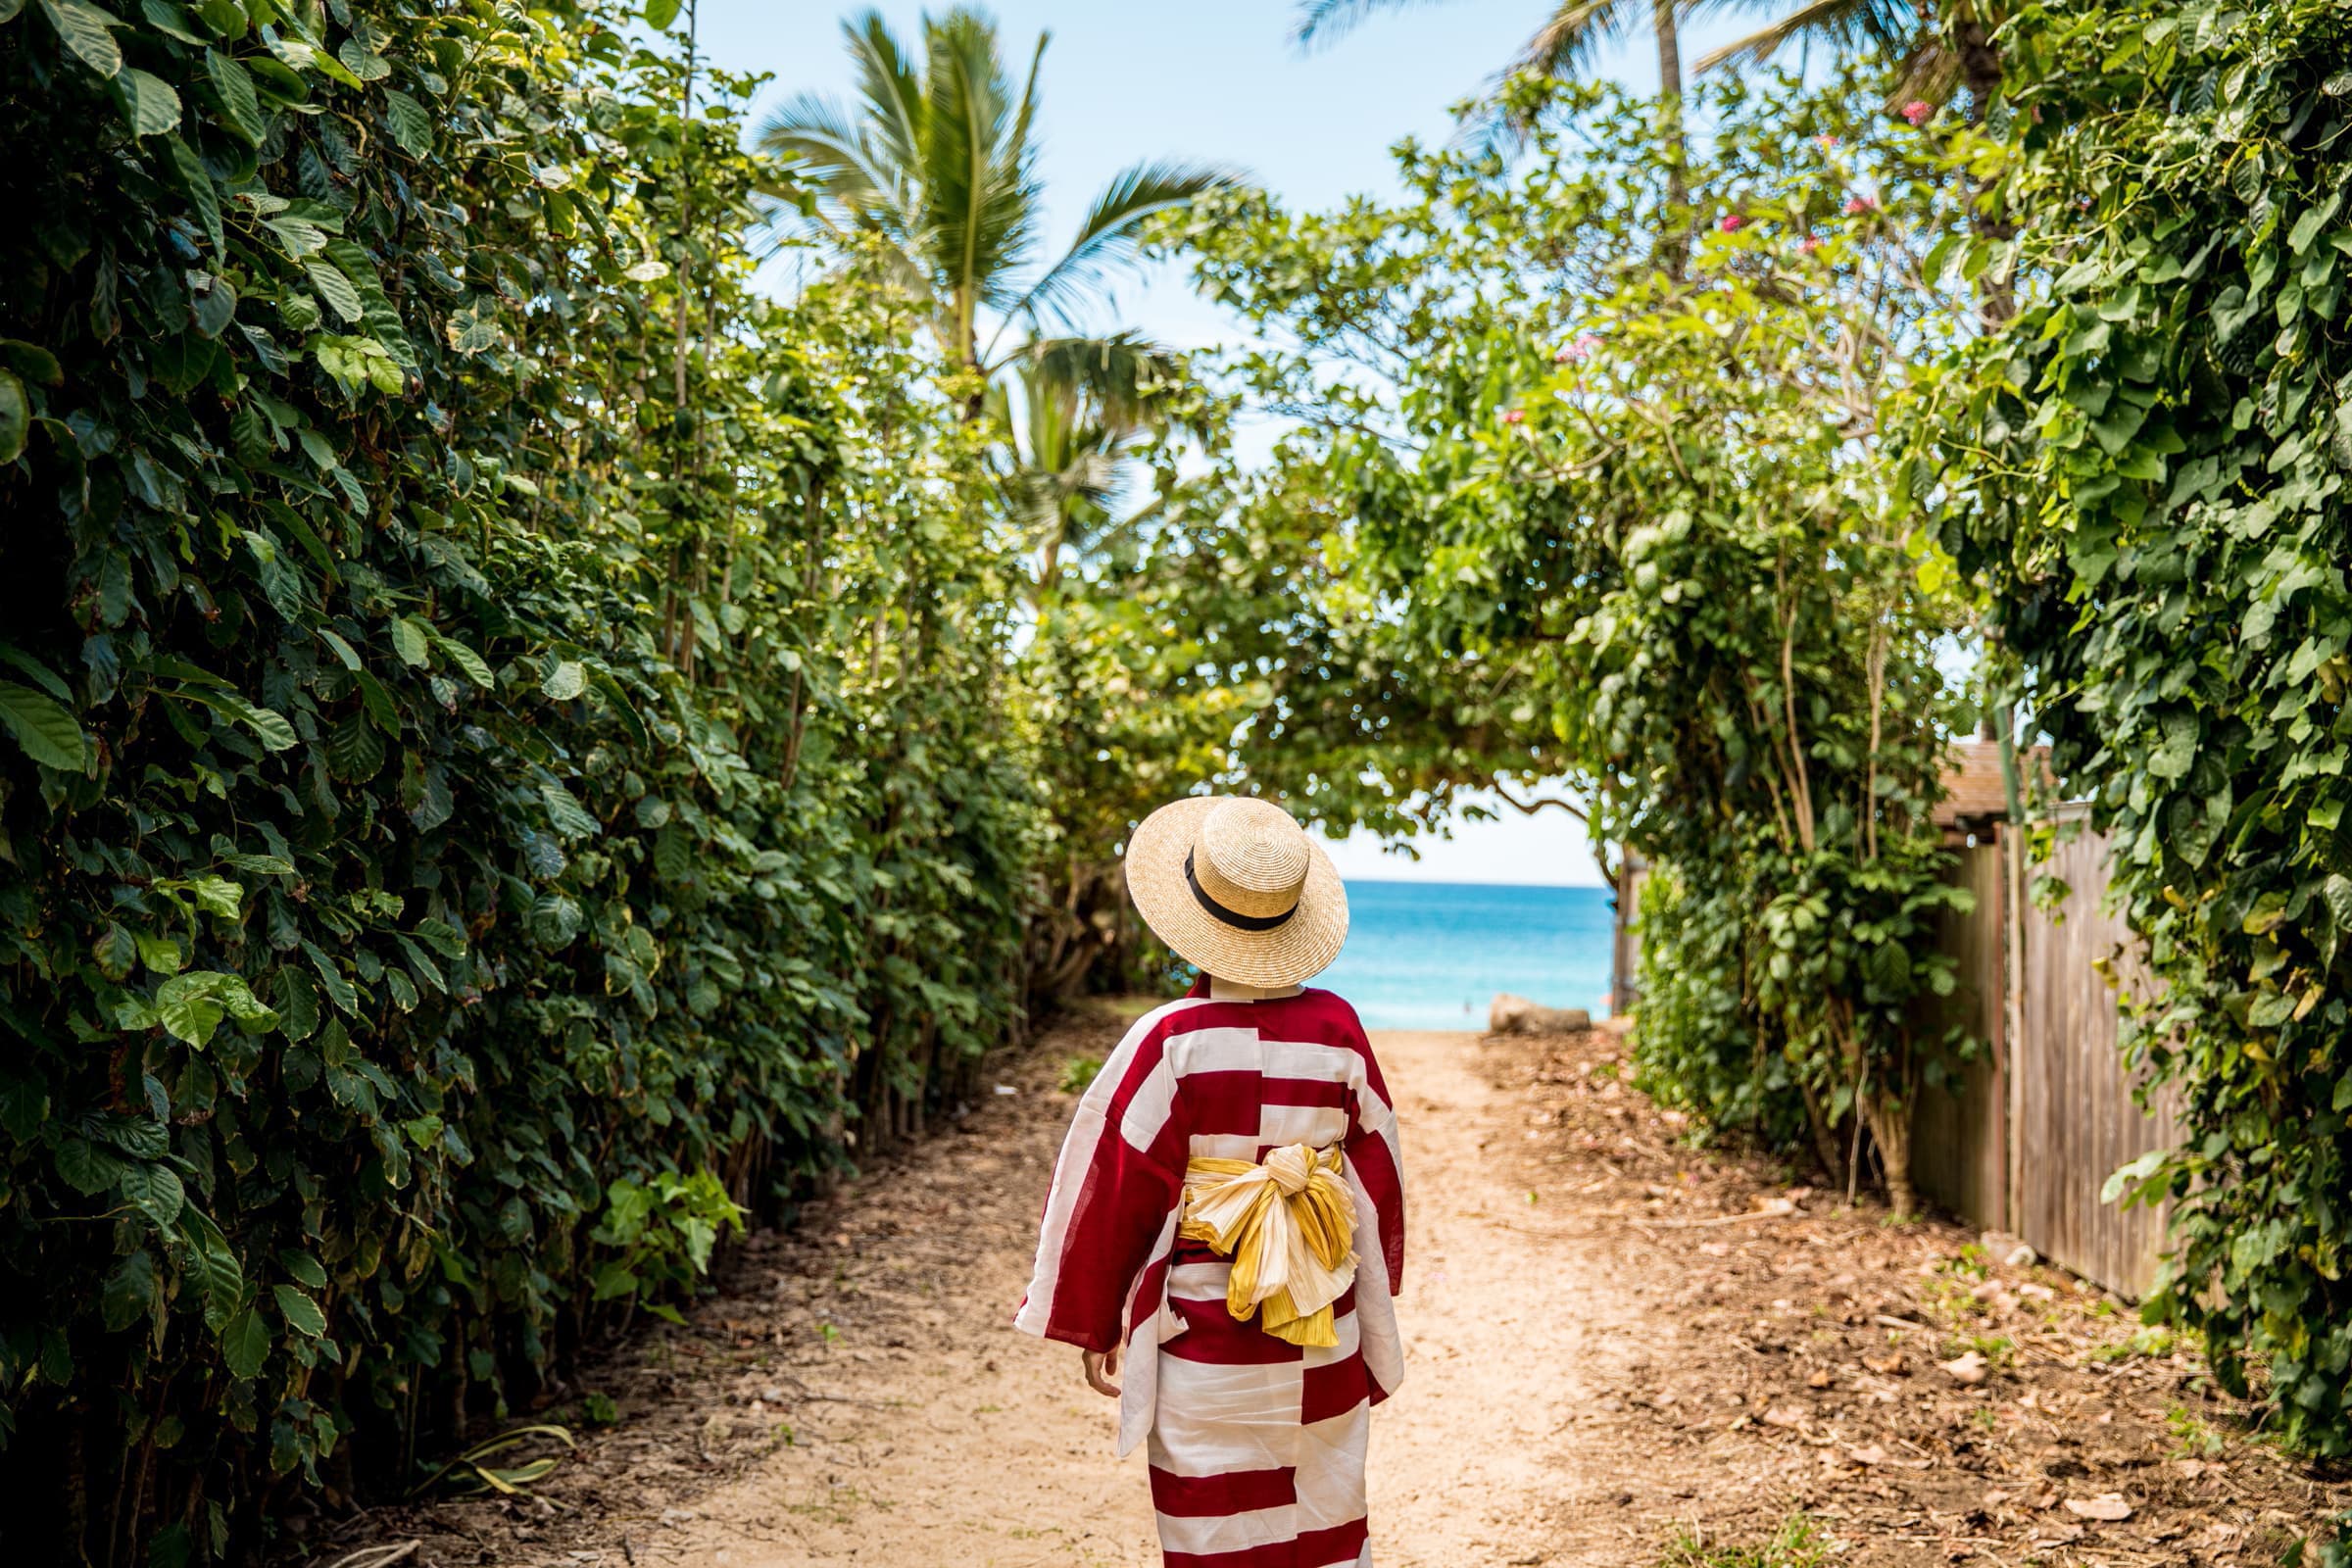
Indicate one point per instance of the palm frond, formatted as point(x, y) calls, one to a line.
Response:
point(1122, 383)
point(979, 182)
point(1572, 38)
point(1321, 21)
point(891, 91)
point(1111, 233)
point(826, 146)
point(1895, 26)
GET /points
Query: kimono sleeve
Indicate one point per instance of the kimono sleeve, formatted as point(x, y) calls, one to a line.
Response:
point(1378, 1161)
point(1119, 1177)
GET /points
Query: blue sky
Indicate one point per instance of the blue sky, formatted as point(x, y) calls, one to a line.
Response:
point(1220, 80)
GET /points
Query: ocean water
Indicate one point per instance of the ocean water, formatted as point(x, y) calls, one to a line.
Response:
point(1432, 954)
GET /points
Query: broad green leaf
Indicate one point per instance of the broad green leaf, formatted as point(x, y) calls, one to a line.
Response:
point(212, 1265)
point(659, 14)
point(411, 126)
point(214, 894)
point(378, 702)
point(2177, 751)
point(565, 681)
point(305, 1268)
point(467, 661)
point(188, 1006)
point(473, 331)
point(16, 417)
point(297, 1003)
point(267, 725)
point(32, 362)
point(115, 951)
point(84, 29)
point(565, 813)
point(442, 936)
point(339, 988)
point(149, 103)
point(334, 288)
point(354, 746)
point(2337, 890)
point(156, 1191)
point(302, 1313)
point(191, 1005)
point(86, 1167)
point(197, 182)
point(245, 1344)
point(48, 734)
point(411, 640)
point(239, 103)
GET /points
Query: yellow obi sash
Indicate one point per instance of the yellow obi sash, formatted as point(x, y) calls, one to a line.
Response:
point(1288, 1225)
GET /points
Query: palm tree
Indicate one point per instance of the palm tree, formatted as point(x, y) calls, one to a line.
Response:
point(1066, 460)
point(1574, 34)
point(936, 165)
point(1933, 60)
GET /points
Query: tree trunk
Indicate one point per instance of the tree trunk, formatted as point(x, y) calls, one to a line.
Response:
point(1890, 1117)
point(1677, 225)
point(1825, 1137)
point(1981, 75)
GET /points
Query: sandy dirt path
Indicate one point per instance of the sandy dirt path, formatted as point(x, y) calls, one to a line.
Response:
point(1616, 1338)
point(1001, 1457)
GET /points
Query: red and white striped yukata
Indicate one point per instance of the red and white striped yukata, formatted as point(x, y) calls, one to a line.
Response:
point(1256, 1445)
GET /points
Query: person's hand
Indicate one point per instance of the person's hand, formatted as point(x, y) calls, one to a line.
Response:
point(1101, 1369)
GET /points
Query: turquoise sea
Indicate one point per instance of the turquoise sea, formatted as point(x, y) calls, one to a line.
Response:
point(1432, 954)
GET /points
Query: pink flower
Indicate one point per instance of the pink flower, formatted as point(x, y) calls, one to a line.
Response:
point(1919, 111)
point(1807, 246)
point(1515, 416)
point(1826, 142)
point(1731, 222)
point(1856, 205)
point(1581, 349)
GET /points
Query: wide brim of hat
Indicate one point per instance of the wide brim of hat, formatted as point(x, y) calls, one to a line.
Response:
point(1290, 953)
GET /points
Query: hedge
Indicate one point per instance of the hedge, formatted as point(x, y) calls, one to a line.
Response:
point(502, 770)
point(2147, 471)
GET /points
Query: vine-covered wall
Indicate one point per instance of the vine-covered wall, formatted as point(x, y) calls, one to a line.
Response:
point(2148, 472)
point(502, 759)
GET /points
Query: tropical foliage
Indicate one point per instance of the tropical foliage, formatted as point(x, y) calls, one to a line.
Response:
point(503, 769)
point(1640, 536)
point(2146, 474)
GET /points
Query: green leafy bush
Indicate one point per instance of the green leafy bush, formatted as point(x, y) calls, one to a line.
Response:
point(2147, 470)
point(502, 764)
point(1617, 516)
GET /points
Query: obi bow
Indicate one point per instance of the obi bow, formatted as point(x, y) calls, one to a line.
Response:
point(1288, 1225)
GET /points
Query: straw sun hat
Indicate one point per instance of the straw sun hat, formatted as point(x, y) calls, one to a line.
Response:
point(1239, 889)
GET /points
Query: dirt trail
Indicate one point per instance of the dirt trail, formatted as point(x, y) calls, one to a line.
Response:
point(1000, 1457)
point(1613, 1338)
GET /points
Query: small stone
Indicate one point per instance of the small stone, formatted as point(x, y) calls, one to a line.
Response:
point(2108, 1507)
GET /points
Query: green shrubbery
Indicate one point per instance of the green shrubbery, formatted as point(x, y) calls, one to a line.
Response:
point(2148, 472)
point(1617, 517)
point(506, 756)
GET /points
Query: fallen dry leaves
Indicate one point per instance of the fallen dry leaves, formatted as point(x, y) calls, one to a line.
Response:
point(1924, 1395)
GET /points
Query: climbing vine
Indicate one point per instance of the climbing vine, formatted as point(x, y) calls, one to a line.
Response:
point(2146, 474)
point(498, 774)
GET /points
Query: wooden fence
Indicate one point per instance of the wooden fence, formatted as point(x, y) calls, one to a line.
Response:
point(2027, 1138)
point(2028, 1141)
